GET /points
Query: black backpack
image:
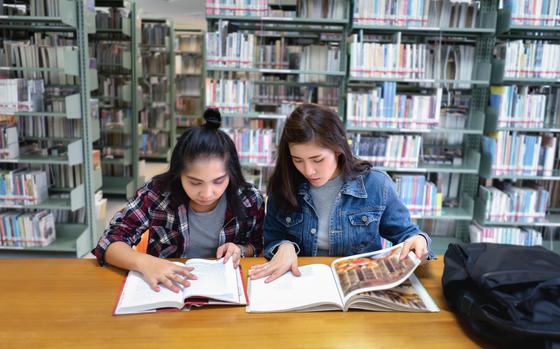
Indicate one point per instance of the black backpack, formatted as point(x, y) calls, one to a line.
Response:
point(507, 294)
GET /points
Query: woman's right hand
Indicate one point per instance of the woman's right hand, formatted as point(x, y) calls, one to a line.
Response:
point(160, 271)
point(284, 260)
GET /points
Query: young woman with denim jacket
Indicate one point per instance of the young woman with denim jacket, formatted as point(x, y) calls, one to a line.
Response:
point(324, 201)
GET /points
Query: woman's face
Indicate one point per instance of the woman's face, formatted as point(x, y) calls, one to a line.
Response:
point(205, 181)
point(314, 162)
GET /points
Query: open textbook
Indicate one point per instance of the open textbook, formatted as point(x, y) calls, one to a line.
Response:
point(217, 283)
point(376, 281)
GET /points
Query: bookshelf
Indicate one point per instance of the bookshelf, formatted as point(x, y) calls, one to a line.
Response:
point(157, 116)
point(189, 77)
point(275, 57)
point(522, 122)
point(116, 44)
point(448, 90)
point(64, 199)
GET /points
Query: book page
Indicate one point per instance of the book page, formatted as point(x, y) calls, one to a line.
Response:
point(313, 288)
point(214, 280)
point(408, 296)
point(137, 296)
point(376, 270)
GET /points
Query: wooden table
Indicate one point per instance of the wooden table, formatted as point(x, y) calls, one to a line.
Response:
point(68, 303)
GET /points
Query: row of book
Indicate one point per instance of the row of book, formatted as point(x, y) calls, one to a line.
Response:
point(21, 95)
point(514, 204)
point(27, 229)
point(109, 53)
point(236, 50)
point(230, 96)
point(525, 106)
point(322, 58)
point(114, 119)
point(254, 146)
point(416, 13)
point(29, 57)
point(154, 143)
point(187, 107)
point(274, 94)
point(505, 235)
point(530, 59)
point(154, 118)
point(9, 141)
point(113, 87)
point(188, 43)
point(383, 107)
point(48, 127)
point(187, 86)
point(421, 197)
point(110, 17)
point(521, 154)
point(390, 151)
point(155, 63)
point(333, 9)
point(410, 61)
point(187, 64)
point(22, 187)
point(534, 13)
point(154, 34)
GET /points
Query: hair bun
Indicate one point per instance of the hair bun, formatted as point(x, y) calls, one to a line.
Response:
point(213, 118)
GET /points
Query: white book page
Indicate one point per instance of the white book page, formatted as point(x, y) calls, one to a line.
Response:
point(137, 296)
point(214, 280)
point(378, 270)
point(315, 286)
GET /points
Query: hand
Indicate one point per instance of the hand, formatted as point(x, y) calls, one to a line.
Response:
point(416, 243)
point(160, 271)
point(227, 250)
point(285, 259)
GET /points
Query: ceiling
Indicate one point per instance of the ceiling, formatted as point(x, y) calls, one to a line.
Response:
point(184, 13)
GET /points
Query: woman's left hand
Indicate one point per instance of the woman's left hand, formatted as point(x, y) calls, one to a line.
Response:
point(418, 245)
point(227, 250)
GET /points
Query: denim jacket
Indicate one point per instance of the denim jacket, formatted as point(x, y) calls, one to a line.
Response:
point(366, 209)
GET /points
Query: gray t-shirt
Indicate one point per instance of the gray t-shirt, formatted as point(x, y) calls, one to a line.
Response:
point(323, 200)
point(204, 230)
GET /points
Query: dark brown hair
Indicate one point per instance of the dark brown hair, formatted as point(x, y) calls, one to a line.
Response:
point(309, 123)
point(204, 141)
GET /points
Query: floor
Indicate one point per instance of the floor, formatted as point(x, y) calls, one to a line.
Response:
point(147, 170)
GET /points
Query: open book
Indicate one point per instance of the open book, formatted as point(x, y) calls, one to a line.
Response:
point(217, 283)
point(375, 281)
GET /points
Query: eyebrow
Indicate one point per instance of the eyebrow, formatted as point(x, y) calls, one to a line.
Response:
point(200, 180)
point(312, 157)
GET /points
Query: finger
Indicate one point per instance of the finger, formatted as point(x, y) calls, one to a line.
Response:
point(257, 267)
point(220, 251)
point(295, 270)
point(186, 272)
point(229, 253)
point(236, 258)
point(169, 284)
point(153, 284)
point(405, 250)
point(181, 280)
point(275, 275)
point(259, 274)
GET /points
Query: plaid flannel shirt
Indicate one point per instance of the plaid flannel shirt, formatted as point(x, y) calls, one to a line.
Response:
point(168, 224)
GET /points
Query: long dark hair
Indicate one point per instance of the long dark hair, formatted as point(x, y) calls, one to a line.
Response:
point(203, 141)
point(309, 123)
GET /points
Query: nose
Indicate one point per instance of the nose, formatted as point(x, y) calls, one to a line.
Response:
point(308, 169)
point(207, 193)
